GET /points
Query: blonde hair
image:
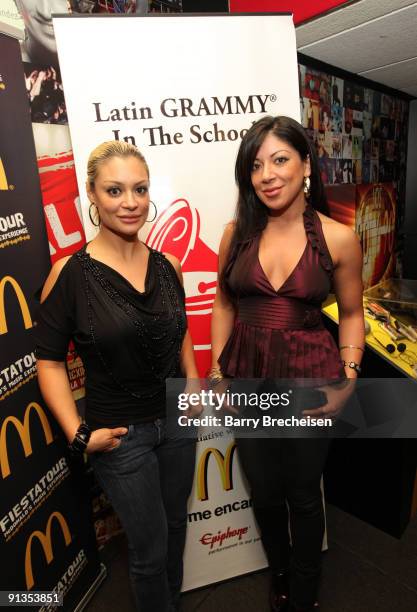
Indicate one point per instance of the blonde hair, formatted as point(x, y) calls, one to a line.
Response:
point(105, 151)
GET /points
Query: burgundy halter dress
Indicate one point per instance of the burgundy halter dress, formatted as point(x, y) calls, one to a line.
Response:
point(280, 334)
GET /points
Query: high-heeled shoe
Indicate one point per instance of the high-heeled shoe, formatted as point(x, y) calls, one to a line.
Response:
point(279, 593)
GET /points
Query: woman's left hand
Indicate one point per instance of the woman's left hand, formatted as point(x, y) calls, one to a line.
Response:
point(337, 396)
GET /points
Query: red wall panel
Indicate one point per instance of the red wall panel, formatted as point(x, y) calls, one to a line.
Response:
point(302, 9)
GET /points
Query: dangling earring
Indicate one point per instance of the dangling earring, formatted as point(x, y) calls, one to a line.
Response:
point(97, 223)
point(156, 212)
point(307, 184)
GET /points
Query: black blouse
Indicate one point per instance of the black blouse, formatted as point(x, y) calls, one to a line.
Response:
point(129, 341)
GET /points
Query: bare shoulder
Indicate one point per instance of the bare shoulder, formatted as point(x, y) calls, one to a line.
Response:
point(341, 240)
point(227, 235)
point(229, 228)
point(338, 234)
point(174, 261)
point(53, 276)
point(176, 264)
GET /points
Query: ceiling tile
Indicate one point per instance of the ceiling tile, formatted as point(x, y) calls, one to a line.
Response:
point(345, 18)
point(377, 43)
point(401, 76)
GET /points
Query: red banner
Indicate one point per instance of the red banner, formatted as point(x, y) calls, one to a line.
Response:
point(302, 9)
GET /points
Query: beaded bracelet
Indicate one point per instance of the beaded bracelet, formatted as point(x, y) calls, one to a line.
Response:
point(81, 439)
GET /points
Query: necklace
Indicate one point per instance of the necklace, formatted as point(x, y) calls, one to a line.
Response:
point(160, 337)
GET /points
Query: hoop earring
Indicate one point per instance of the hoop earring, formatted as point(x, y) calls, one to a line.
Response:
point(156, 212)
point(91, 216)
point(306, 187)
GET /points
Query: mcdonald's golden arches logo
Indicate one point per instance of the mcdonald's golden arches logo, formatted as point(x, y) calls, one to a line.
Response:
point(4, 186)
point(46, 541)
point(24, 308)
point(23, 429)
point(225, 465)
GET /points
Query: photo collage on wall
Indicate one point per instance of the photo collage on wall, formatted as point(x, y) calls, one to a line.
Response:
point(45, 92)
point(360, 133)
point(42, 73)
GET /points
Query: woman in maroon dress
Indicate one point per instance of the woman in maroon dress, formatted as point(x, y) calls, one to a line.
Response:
point(277, 263)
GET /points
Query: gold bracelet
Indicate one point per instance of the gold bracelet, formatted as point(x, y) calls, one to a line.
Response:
point(214, 370)
point(214, 375)
point(351, 346)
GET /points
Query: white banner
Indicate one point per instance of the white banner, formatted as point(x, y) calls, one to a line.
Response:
point(222, 536)
point(184, 89)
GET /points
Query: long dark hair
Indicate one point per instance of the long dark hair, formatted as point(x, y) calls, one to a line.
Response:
point(251, 215)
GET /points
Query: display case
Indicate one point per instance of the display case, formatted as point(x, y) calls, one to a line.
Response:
point(390, 310)
point(376, 479)
point(391, 313)
point(399, 295)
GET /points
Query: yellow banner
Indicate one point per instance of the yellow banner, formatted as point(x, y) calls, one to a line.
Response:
point(46, 541)
point(23, 429)
point(24, 308)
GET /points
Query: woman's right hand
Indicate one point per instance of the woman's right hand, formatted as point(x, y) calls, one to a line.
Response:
point(105, 440)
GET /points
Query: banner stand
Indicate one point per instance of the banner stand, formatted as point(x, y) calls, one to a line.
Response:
point(85, 600)
point(46, 531)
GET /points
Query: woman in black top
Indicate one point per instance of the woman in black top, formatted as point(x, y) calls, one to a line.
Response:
point(123, 305)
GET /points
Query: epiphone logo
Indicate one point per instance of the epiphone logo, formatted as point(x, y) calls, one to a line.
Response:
point(4, 186)
point(23, 429)
point(46, 542)
point(210, 539)
point(225, 465)
point(22, 303)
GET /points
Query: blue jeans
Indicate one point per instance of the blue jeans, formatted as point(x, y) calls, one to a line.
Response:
point(148, 479)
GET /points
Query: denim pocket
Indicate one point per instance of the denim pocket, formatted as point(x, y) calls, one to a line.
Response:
point(123, 440)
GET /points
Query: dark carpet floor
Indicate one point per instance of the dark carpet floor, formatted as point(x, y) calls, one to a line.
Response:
point(364, 570)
